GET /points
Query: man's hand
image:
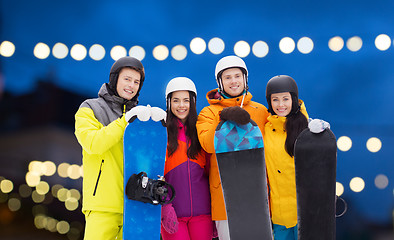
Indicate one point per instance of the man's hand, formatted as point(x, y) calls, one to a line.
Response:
point(235, 114)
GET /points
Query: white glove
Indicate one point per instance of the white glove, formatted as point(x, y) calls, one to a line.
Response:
point(317, 125)
point(142, 113)
point(158, 114)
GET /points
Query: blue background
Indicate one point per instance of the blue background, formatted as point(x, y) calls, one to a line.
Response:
point(351, 90)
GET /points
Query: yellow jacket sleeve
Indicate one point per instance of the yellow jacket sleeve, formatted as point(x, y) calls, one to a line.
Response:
point(93, 136)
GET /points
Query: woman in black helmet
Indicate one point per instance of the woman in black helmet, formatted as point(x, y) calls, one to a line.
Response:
point(99, 128)
point(288, 117)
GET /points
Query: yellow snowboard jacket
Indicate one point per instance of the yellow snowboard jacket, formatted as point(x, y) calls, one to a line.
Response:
point(99, 128)
point(281, 172)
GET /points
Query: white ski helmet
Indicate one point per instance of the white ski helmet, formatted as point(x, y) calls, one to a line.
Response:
point(179, 84)
point(230, 62)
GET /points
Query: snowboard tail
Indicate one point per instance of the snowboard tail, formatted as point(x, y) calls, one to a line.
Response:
point(315, 158)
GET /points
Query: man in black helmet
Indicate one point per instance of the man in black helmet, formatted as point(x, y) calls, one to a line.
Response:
point(99, 128)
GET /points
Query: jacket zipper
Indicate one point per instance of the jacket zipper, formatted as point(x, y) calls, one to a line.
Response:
point(98, 178)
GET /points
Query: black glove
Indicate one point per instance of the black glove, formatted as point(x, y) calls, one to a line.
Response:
point(235, 114)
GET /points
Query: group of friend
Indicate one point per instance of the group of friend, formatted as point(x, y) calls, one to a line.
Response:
point(198, 210)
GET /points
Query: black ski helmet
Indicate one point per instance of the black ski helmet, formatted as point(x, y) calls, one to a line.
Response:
point(279, 84)
point(125, 62)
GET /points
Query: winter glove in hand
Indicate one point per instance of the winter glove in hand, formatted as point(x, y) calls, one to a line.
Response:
point(142, 112)
point(169, 219)
point(158, 114)
point(235, 114)
point(317, 125)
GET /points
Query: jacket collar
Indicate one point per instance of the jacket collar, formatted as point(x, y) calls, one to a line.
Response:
point(214, 97)
point(114, 101)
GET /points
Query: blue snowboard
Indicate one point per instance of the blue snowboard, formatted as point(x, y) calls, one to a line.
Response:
point(240, 155)
point(144, 151)
point(315, 157)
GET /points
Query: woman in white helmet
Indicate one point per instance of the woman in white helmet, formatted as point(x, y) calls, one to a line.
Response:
point(186, 167)
point(230, 101)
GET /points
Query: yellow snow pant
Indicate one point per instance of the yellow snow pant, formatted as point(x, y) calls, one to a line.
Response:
point(103, 225)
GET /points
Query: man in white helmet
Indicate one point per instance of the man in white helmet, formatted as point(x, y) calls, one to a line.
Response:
point(230, 101)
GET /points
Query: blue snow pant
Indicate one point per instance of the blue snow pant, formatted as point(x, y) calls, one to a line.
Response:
point(283, 233)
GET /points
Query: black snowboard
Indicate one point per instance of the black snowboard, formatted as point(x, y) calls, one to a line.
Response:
point(240, 154)
point(315, 157)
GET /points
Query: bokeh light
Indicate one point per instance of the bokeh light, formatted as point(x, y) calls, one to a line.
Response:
point(42, 188)
point(48, 168)
point(14, 204)
point(339, 189)
point(78, 52)
point(160, 52)
point(73, 171)
point(40, 221)
point(354, 44)
point(60, 50)
point(7, 49)
point(382, 42)
point(71, 204)
point(357, 184)
point(32, 179)
point(179, 52)
point(51, 224)
point(6, 186)
point(374, 144)
point(37, 198)
point(336, 44)
point(97, 52)
point(242, 49)
point(198, 45)
point(381, 181)
point(63, 194)
point(287, 45)
point(260, 49)
point(344, 143)
point(41, 50)
point(137, 52)
point(62, 227)
point(305, 45)
point(216, 45)
point(25, 191)
point(62, 170)
point(118, 52)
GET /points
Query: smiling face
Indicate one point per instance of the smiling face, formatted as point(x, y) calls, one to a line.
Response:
point(128, 83)
point(281, 103)
point(233, 81)
point(180, 104)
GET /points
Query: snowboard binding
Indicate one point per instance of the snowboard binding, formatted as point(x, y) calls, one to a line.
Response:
point(141, 188)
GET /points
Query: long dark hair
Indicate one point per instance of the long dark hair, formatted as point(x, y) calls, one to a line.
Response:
point(296, 122)
point(191, 131)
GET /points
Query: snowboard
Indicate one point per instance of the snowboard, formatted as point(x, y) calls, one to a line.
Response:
point(240, 155)
point(144, 151)
point(315, 156)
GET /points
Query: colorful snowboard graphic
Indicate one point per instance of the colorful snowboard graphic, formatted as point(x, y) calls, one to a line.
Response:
point(240, 155)
point(315, 159)
point(144, 151)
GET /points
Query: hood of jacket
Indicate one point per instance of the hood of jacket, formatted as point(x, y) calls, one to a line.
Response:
point(214, 97)
point(119, 104)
